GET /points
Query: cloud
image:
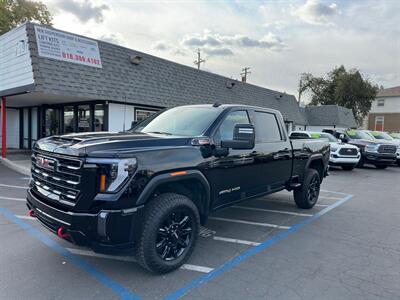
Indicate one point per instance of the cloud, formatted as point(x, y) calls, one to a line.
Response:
point(222, 44)
point(84, 11)
point(219, 52)
point(316, 12)
point(111, 38)
point(162, 46)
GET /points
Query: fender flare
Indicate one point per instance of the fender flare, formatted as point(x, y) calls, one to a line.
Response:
point(314, 157)
point(167, 178)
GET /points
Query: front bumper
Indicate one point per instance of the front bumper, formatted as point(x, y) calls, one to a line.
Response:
point(337, 160)
point(380, 158)
point(105, 231)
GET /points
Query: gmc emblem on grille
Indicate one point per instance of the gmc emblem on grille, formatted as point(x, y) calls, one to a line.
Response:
point(45, 162)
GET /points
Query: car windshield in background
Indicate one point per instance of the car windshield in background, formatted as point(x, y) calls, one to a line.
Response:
point(185, 121)
point(395, 135)
point(381, 135)
point(358, 135)
point(322, 135)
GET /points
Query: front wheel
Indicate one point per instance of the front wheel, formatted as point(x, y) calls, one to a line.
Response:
point(169, 234)
point(307, 195)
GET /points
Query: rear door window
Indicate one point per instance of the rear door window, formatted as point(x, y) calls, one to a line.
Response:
point(267, 128)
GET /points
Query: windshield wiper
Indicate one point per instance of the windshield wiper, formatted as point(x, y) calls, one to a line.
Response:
point(160, 132)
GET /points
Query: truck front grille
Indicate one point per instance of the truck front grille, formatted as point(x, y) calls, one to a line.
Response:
point(348, 151)
point(388, 149)
point(56, 177)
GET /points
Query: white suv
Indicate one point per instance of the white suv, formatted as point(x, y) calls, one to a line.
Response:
point(344, 155)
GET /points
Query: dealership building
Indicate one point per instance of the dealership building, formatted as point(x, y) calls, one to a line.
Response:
point(54, 82)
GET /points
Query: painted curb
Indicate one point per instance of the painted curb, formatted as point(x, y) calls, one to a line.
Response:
point(15, 167)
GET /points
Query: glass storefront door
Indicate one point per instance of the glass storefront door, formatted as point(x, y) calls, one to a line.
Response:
point(52, 121)
point(84, 118)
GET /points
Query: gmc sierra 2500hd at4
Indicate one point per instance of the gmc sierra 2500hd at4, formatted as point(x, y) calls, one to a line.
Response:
point(146, 191)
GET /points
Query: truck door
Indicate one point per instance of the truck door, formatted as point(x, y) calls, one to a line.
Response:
point(275, 147)
point(232, 175)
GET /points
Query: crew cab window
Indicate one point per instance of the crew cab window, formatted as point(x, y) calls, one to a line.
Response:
point(225, 130)
point(299, 135)
point(267, 128)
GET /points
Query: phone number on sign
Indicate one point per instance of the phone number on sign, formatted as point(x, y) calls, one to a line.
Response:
point(82, 58)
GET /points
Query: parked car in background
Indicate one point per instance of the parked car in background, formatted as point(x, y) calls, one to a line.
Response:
point(383, 136)
point(381, 154)
point(343, 155)
point(395, 135)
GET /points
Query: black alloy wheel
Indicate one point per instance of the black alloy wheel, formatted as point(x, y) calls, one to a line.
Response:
point(174, 235)
point(313, 190)
point(170, 229)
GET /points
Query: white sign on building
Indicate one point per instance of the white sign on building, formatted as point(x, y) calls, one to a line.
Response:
point(67, 47)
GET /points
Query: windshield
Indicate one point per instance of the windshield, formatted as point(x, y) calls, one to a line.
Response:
point(358, 135)
point(381, 135)
point(323, 135)
point(183, 120)
point(395, 135)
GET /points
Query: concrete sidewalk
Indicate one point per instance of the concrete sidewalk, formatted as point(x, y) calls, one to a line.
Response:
point(18, 160)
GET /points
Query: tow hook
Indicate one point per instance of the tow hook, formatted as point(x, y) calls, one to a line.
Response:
point(62, 233)
point(31, 213)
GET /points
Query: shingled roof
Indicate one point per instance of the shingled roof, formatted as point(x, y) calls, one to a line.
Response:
point(332, 115)
point(155, 81)
point(389, 92)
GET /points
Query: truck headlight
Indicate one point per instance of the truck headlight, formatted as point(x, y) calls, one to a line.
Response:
point(113, 172)
point(372, 148)
point(333, 149)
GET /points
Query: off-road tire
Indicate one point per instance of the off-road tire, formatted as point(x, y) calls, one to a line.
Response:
point(381, 166)
point(361, 162)
point(156, 212)
point(302, 196)
point(348, 168)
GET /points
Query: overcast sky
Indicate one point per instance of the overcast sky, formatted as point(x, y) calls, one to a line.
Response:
point(279, 40)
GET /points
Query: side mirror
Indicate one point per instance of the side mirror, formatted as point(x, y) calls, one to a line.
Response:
point(133, 124)
point(243, 137)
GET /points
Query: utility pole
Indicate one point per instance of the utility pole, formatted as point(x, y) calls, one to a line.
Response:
point(245, 72)
point(199, 60)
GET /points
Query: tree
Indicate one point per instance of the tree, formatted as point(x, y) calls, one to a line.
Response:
point(16, 12)
point(341, 87)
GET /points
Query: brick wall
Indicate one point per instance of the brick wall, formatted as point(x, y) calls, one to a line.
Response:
point(391, 121)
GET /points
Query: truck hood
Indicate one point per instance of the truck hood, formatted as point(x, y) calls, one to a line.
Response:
point(108, 144)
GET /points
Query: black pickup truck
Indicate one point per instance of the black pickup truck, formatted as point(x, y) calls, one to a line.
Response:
point(146, 191)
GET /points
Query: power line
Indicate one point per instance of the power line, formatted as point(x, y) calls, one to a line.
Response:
point(245, 72)
point(199, 60)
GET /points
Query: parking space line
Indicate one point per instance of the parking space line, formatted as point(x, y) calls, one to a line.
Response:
point(328, 197)
point(290, 203)
point(339, 193)
point(273, 211)
point(249, 222)
point(25, 217)
point(82, 252)
point(13, 199)
point(236, 241)
point(252, 251)
point(118, 289)
point(14, 186)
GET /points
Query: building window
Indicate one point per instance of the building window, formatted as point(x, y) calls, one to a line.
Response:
point(99, 117)
point(84, 118)
point(380, 102)
point(69, 119)
point(142, 114)
point(379, 123)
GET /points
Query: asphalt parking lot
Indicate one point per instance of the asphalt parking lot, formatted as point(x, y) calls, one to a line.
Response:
point(347, 247)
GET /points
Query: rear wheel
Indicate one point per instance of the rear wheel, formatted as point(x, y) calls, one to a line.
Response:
point(347, 168)
point(169, 234)
point(307, 195)
point(381, 166)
